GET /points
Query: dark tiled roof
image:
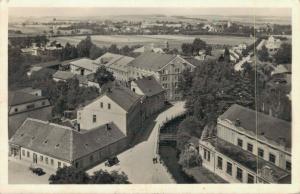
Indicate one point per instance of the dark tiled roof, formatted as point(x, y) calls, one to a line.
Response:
point(149, 86)
point(269, 127)
point(151, 61)
point(64, 142)
point(17, 97)
point(123, 97)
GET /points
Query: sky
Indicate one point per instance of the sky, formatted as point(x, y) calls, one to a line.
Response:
point(100, 11)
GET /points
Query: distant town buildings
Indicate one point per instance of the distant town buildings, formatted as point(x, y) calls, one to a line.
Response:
point(250, 147)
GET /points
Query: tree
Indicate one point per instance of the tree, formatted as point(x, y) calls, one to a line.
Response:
point(189, 157)
point(69, 175)
point(208, 50)
point(198, 45)
point(103, 76)
point(263, 54)
point(185, 82)
point(187, 49)
point(284, 54)
point(226, 55)
point(84, 47)
point(104, 177)
point(96, 52)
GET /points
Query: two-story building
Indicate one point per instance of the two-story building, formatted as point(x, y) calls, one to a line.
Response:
point(154, 94)
point(250, 147)
point(164, 67)
point(82, 66)
point(53, 146)
point(118, 105)
point(22, 105)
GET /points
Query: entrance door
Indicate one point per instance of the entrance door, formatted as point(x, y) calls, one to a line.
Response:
point(34, 158)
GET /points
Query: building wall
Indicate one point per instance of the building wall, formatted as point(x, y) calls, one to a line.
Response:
point(101, 154)
point(42, 163)
point(103, 115)
point(228, 132)
point(169, 77)
point(77, 70)
point(119, 74)
point(28, 106)
point(135, 73)
point(212, 165)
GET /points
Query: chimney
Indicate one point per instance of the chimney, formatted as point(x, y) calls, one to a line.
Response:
point(237, 122)
point(107, 127)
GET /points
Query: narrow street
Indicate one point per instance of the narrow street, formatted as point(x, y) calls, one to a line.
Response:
point(137, 161)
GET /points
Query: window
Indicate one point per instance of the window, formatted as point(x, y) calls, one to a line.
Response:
point(52, 162)
point(220, 162)
point(177, 70)
point(108, 106)
point(91, 158)
point(165, 85)
point(229, 168)
point(76, 165)
point(240, 142)
point(249, 147)
point(133, 89)
point(16, 109)
point(208, 155)
point(41, 158)
point(250, 179)
point(23, 152)
point(239, 174)
point(164, 78)
point(272, 158)
point(288, 165)
point(30, 106)
point(260, 152)
point(205, 153)
point(46, 159)
point(94, 118)
point(28, 154)
point(101, 104)
point(58, 164)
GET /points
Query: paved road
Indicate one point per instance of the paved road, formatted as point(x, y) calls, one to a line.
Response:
point(137, 161)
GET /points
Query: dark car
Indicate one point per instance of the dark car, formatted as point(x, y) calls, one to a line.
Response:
point(38, 171)
point(112, 161)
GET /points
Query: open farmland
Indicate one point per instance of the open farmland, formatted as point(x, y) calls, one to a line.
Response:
point(174, 41)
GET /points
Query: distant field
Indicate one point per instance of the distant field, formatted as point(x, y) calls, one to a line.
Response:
point(174, 41)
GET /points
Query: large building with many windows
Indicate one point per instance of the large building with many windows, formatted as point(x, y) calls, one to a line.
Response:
point(250, 147)
point(164, 67)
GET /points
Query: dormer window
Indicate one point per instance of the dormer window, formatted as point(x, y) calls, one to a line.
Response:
point(57, 145)
point(16, 109)
point(46, 141)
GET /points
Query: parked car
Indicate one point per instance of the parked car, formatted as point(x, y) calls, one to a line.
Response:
point(112, 161)
point(38, 171)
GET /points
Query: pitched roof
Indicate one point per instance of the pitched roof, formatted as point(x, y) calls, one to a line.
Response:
point(123, 97)
point(18, 97)
point(47, 64)
point(114, 61)
point(151, 61)
point(267, 126)
point(149, 86)
point(64, 75)
point(85, 63)
point(64, 142)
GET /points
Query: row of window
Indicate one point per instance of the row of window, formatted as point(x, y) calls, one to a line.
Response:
point(30, 106)
point(260, 153)
point(41, 159)
point(239, 171)
point(165, 78)
point(175, 84)
point(102, 105)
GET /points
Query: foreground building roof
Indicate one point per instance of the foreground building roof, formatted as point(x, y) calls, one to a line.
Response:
point(260, 124)
point(63, 142)
point(149, 86)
